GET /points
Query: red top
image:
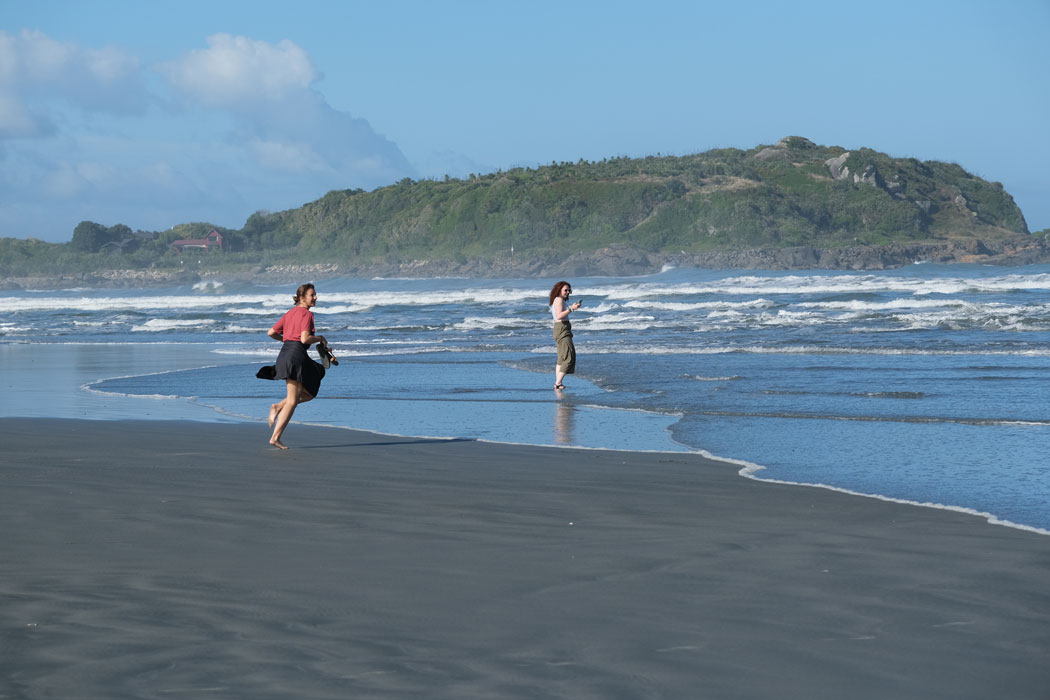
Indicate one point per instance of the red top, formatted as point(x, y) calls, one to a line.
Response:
point(293, 323)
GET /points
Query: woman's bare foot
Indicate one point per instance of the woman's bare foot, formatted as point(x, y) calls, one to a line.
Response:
point(278, 443)
point(275, 408)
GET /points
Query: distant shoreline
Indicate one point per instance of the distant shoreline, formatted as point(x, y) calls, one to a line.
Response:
point(619, 260)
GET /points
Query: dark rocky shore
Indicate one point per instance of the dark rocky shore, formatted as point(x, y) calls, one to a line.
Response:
point(614, 261)
point(622, 260)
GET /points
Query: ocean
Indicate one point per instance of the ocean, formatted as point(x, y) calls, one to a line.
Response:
point(926, 384)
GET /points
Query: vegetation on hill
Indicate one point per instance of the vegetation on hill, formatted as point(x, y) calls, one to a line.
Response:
point(767, 197)
point(792, 193)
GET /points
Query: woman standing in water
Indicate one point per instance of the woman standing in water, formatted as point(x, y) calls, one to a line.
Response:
point(301, 374)
point(560, 309)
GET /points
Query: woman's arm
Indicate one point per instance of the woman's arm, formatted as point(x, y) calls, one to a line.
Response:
point(275, 334)
point(307, 338)
point(560, 310)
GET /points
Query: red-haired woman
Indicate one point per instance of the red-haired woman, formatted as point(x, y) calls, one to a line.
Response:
point(302, 375)
point(560, 310)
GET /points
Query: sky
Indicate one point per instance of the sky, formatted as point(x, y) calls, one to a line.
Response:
point(161, 113)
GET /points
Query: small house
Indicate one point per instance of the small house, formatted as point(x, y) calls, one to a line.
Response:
point(213, 241)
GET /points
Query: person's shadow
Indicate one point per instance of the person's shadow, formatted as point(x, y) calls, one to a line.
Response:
point(564, 420)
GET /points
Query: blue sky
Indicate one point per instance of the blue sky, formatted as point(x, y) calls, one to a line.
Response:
point(154, 114)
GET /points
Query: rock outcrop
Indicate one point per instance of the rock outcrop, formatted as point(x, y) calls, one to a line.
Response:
point(612, 261)
point(622, 260)
point(840, 171)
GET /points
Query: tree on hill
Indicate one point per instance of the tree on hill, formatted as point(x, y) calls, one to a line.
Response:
point(90, 237)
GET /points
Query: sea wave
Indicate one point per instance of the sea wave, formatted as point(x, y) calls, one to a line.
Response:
point(700, 305)
point(597, 348)
point(472, 323)
point(826, 284)
point(169, 324)
point(960, 420)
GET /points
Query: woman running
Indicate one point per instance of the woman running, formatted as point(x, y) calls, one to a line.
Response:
point(302, 375)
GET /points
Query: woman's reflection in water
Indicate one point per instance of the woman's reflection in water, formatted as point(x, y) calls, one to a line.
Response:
point(564, 417)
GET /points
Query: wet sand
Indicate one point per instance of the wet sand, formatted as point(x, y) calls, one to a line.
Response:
point(157, 559)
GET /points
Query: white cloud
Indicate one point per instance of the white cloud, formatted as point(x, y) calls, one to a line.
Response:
point(31, 57)
point(92, 180)
point(35, 68)
point(284, 124)
point(293, 157)
point(236, 72)
point(259, 136)
point(16, 121)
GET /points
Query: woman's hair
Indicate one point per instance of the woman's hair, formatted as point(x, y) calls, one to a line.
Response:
point(301, 292)
point(556, 290)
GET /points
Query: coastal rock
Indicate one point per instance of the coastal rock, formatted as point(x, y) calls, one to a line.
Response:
point(837, 166)
point(103, 279)
point(840, 171)
point(1017, 250)
point(796, 142)
point(613, 261)
point(768, 153)
point(870, 176)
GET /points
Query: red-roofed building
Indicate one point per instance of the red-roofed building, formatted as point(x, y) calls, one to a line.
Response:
point(213, 241)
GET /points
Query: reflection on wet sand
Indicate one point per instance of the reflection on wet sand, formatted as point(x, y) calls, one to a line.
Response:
point(564, 419)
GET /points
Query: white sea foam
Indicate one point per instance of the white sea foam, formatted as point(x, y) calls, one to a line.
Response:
point(616, 321)
point(395, 328)
point(140, 303)
point(435, 297)
point(605, 349)
point(247, 311)
point(342, 309)
point(780, 318)
point(892, 305)
point(824, 284)
point(472, 323)
point(658, 293)
point(270, 352)
point(168, 324)
point(330, 302)
point(393, 341)
point(603, 307)
point(240, 329)
point(700, 305)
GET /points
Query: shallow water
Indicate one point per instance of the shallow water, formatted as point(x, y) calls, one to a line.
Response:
point(924, 384)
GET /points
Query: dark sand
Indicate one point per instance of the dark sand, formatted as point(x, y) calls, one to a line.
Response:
point(191, 560)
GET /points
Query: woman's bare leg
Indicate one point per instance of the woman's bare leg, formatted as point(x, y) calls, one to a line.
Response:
point(559, 375)
point(295, 390)
point(275, 408)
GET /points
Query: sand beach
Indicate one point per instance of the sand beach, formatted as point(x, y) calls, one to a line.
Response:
point(165, 559)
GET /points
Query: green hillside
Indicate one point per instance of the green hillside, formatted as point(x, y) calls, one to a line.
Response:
point(793, 193)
